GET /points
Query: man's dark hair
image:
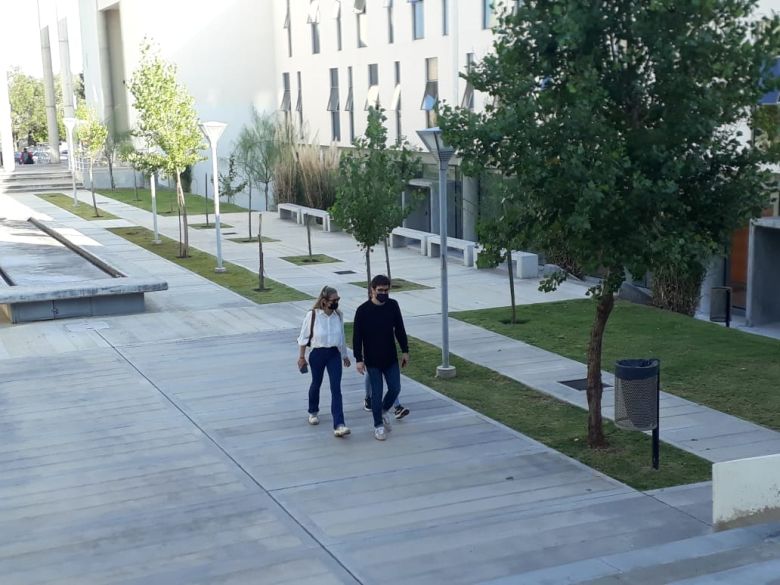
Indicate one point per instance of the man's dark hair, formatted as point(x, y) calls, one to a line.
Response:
point(379, 280)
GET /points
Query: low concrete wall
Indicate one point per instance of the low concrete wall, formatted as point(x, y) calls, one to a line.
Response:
point(746, 491)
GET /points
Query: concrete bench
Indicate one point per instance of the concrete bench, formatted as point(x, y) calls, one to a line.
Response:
point(400, 237)
point(434, 248)
point(290, 211)
point(524, 264)
point(327, 225)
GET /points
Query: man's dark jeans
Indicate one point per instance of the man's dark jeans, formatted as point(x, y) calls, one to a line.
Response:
point(392, 376)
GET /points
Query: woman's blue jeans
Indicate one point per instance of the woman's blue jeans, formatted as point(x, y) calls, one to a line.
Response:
point(320, 359)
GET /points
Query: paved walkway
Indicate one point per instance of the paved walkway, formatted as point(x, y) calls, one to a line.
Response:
point(172, 447)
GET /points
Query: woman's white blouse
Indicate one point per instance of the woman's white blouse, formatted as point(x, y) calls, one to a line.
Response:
point(328, 331)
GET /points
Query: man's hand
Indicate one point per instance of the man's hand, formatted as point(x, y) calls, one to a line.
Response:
point(360, 367)
point(346, 362)
point(404, 360)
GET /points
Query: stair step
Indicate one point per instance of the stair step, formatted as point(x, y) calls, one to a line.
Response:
point(749, 551)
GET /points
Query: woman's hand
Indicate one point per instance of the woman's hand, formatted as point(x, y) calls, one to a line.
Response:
point(347, 363)
point(301, 362)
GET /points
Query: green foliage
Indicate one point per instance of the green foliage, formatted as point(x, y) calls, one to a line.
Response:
point(166, 113)
point(28, 107)
point(229, 184)
point(167, 122)
point(257, 150)
point(372, 177)
point(618, 122)
point(594, 118)
point(91, 132)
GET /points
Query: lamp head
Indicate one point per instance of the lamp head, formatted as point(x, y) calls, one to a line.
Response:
point(212, 130)
point(432, 139)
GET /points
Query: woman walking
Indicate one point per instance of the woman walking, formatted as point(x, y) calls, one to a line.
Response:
point(323, 331)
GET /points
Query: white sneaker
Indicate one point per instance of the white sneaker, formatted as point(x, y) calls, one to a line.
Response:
point(386, 422)
point(379, 434)
point(341, 431)
point(314, 419)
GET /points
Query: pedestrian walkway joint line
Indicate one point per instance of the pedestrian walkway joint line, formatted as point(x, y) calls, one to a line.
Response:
point(232, 459)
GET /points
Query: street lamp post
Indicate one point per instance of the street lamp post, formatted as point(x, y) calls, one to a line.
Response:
point(70, 124)
point(212, 131)
point(432, 139)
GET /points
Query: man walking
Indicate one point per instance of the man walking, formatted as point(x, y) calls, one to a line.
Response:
point(378, 324)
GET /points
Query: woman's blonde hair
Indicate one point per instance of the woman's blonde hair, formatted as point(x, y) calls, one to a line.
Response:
point(324, 294)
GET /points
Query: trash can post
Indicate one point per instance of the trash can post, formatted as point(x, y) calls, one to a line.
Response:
point(657, 429)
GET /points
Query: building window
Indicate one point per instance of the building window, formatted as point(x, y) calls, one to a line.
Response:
point(468, 94)
point(361, 24)
point(349, 106)
point(431, 95)
point(289, 30)
point(314, 21)
point(445, 17)
point(299, 106)
point(333, 106)
point(418, 19)
point(337, 18)
point(390, 28)
point(488, 14)
point(395, 104)
point(372, 97)
point(285, 105)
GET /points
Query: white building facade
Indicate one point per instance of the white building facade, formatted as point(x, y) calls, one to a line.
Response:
point(319, 62)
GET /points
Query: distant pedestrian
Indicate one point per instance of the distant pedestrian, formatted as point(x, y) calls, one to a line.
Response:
point(378, 325)
point(323, 331)
point(27, 157)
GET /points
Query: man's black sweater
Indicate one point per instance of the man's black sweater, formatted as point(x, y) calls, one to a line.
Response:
point(376, 329)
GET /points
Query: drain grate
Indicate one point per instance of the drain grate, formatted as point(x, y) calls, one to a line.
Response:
point(228, 233)
point(580, 385)
point(345, 272)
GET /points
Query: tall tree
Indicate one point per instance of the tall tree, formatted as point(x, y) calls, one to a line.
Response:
point(372, 176)
point(618, 118)
point(167, 120)
point(92, 134)
point(256, 153)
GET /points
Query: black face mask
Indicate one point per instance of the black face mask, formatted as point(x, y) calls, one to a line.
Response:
point(382, 297)
point(333, 306)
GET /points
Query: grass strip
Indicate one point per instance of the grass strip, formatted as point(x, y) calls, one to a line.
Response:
point(82, 210)
point(166, 201)
point(726, 369)
point(399, 285)
point(306, 260)
point(236, 278)
point(557, 424)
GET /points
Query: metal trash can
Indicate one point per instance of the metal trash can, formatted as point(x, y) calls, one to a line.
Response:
point(636, 394)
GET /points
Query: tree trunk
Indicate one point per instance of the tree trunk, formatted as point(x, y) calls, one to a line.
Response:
point(368, 271)
point(92, 188)
point(261, 271)
point(266, 196)
point(604, 306)
point(135, 185)
point(308, 235)
point(111, 172)
point(387, 261)
point(250, 211)
point(184, 244)
point(511, 271)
